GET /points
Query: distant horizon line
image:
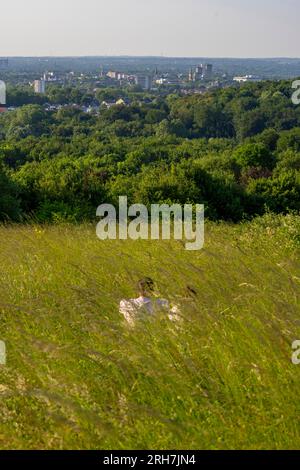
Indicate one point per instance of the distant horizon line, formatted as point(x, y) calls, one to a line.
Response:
point(146, 57)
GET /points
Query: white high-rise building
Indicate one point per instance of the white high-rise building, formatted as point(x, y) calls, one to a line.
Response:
point(144, 81)
point(39, 86)
point(207, 70)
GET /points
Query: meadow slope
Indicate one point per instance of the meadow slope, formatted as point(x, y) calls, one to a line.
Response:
point(78, 378)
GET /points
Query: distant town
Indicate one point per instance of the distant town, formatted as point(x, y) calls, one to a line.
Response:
point(155, 76)
point(199, 79)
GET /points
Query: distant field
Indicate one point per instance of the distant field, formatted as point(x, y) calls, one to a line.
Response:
point(78, 378)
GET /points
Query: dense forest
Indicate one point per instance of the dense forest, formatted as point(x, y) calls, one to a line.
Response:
point(237, 150)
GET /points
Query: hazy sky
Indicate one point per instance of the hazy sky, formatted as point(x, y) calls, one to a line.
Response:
point(207, 28)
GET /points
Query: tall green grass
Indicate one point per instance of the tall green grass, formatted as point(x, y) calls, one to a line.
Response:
point(78, 378)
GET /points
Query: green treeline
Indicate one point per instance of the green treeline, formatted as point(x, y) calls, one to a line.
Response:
point(237, 150)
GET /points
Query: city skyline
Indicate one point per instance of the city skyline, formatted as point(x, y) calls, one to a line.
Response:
point(170, 28)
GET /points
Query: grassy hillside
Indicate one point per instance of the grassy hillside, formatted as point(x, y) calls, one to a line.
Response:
point(78, 378)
